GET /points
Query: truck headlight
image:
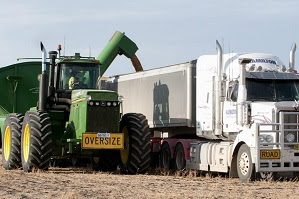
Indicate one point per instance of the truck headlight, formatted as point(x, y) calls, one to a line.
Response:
point(88, 98)
point(120, 98)
point(290, 137)
point(262, 139)
point(266, 138)
point(269, 138)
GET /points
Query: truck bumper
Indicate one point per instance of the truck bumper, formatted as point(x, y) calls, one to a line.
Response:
point(288, 161)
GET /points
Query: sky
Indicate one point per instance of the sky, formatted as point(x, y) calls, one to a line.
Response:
point(166, 31)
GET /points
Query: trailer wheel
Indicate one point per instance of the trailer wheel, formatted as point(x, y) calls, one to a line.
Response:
point(165, 157)
point(11, 148)
point(245, 167)
point(135, 158)
point(179, 157)
point(36, 141)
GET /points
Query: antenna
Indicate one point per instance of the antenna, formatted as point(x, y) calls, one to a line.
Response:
point(89, 51)
point(64, 45)
point(222, 41)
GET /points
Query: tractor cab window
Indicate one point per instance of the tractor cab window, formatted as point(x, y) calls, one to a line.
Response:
point(78, 76)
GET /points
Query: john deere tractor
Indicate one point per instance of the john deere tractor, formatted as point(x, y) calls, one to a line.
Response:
point(75, 119)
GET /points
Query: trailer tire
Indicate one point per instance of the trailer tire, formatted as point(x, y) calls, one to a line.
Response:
point(245, 167)
point(165, 157)
point(179, 157)
point(11, 146)
point(135, 158)
point(36, 141)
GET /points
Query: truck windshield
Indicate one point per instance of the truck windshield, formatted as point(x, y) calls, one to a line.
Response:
point(78, 76)
point(272, 90)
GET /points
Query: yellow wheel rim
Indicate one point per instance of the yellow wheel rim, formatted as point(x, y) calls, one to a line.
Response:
point(124, 154)
point(26, 142)
point(7, 143)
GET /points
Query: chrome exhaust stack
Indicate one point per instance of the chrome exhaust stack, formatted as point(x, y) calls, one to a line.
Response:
point(218, 91)
point(292, 57)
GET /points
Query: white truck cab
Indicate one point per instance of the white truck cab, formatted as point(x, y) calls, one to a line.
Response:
point(255, 101)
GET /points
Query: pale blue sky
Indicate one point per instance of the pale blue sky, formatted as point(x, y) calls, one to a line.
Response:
point(166, 31)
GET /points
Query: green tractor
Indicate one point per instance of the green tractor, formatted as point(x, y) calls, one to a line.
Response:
point(75, 119)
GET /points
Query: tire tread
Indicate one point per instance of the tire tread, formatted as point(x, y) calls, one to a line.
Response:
point(139, 143)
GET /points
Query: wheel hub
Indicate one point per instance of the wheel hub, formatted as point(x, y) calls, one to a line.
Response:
point(124, 154)
point(165, 158)
point(180, 159)
point(244, 163)
point(7, 142)
point(26, 143)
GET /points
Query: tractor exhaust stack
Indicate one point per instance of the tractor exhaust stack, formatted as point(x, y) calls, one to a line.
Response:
point(43, 81)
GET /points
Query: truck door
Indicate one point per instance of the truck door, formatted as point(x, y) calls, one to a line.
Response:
point(230, 108)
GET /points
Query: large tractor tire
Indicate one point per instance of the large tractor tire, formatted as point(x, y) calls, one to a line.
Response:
point(36, 141)
point(135, 158)
point(245, 167)
point(11, 146)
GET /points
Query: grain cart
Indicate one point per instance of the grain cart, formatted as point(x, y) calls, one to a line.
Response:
point(233, 113)
point(12, 88)
point(73, 119)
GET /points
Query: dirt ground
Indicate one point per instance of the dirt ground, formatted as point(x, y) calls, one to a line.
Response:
point(84, 183)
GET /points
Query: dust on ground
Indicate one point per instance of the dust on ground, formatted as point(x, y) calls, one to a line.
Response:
point(80, 183)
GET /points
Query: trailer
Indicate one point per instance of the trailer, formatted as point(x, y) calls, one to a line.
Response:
point(233, 113)
point(17, 82)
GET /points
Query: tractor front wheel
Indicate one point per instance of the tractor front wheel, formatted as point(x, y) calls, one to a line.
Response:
point(135, 158)
point(11, 145)
point(36, 141)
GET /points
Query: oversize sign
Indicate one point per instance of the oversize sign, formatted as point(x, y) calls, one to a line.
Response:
point(93, 141)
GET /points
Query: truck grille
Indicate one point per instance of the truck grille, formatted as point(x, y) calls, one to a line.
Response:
point(290, 126)
point(286, 147)
point(286, 128)
point(102, 119)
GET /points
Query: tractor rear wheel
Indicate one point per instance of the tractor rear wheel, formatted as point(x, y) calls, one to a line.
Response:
point(135, 158)
point(36, 141)
point(11, 148)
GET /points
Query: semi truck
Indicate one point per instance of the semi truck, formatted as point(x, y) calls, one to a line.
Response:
point(52, 110)
point(234, 113)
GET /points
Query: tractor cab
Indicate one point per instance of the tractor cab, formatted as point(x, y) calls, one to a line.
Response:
point(77, 72)
point(78, 76)
point(73, 73)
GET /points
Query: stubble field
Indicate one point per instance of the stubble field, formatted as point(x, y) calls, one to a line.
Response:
point(85, 183)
